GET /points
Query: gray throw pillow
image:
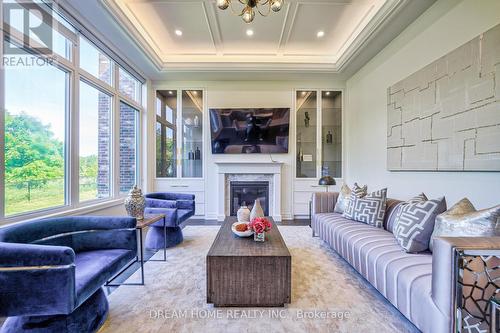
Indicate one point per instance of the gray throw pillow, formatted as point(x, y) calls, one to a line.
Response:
point(415, 223)
point(391, 219)
point(345, 194)
point(369, 209)
point(463, 220)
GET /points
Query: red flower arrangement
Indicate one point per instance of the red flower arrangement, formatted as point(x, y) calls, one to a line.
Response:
point(260, 225)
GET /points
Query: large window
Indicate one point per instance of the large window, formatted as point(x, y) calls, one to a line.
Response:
point(60, 154)
point(35, 137)
point(95, 142)
point(129, 125)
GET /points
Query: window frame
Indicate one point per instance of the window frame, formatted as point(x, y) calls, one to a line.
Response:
point(75, 75)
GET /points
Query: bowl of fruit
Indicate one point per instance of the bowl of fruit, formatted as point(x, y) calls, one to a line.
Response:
point(241, 229)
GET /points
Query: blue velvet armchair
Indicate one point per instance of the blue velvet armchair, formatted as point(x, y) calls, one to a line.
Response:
point(52, 271)
point(177, 208)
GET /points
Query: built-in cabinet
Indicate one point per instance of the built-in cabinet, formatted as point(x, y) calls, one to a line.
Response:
point(318, 143)
point(180, 144)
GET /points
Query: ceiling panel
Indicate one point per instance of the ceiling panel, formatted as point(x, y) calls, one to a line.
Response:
point(267, 32)
point(337, 20)
point(213, 39)
point(161, 19)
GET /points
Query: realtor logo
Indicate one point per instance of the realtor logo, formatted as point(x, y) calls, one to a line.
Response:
point(29, 23)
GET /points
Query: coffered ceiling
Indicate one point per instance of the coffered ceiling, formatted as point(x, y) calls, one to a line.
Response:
point(196, 35)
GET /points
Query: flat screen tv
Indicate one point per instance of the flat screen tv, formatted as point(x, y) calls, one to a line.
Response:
point(249, 131)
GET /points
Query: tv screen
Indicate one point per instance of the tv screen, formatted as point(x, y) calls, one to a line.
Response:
point(249, 131)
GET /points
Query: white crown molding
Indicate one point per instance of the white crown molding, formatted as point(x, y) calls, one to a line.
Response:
point(220, 61)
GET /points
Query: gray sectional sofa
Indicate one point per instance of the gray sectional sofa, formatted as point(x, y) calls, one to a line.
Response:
point(420, 286)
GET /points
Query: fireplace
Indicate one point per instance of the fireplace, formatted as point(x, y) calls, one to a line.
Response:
point(246, 192)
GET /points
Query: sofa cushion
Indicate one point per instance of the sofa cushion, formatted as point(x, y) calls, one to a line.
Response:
point(415, 223)
point(463, 220)
point(94, 268)
point(345, 196)
point(404, 279)
point(369, 209)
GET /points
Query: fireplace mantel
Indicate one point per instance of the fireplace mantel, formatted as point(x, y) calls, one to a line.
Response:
point(250, 168)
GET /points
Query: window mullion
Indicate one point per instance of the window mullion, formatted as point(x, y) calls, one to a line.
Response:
point(116, 135)
point(2, 128)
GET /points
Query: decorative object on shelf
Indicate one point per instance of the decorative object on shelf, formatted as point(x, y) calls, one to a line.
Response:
point(135, 203)
point(190, 155)
point(257, 210)
point(197, 154)
point(196, 121)
point(307, 119)
point(188, 122)
point(329, 137)
point(259, 226)
point(241, 229)
point(325, 171)
point(251, 6)
point(326, 181)
point(243, 213)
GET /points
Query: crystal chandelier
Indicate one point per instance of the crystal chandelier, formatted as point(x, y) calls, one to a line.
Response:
point(250, 6)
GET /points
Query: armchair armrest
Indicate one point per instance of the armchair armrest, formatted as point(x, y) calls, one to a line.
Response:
point(36, 279)
point(323, 202)
point(27, 255)
point(186, 204)
point(446, 251)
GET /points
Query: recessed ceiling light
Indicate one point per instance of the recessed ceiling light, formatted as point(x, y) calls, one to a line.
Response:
point(178, 32)
point(327, 93)
point(170, 92)
point(320, 34)
point(195, 92)
point(249, 32)
point(303, 93)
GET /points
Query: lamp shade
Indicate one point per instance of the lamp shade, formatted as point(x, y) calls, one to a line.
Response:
point(326, 180)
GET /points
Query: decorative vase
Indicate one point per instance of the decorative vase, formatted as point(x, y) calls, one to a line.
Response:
point(196, 121)
point(259, 237)
point(243, 214)
point(135, 203)
point(256, 210)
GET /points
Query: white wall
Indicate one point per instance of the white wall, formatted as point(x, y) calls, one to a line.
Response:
point(442, 28)
point(226, 94)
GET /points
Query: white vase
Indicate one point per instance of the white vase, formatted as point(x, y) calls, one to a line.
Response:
point(243, 214)
point(256, 210)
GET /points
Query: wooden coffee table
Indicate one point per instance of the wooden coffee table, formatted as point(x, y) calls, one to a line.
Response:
point(242, 272)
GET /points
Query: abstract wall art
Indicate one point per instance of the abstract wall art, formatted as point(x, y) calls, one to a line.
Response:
point(446, 116)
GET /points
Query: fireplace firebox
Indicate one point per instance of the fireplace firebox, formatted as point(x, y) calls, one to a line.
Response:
point(246, 192)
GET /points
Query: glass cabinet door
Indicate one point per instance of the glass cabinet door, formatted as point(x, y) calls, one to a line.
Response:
point(331, 133)
point(166, 110)
point(306, 142)
point(192, 134)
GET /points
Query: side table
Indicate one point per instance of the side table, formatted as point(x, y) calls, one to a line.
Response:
point(141, 225)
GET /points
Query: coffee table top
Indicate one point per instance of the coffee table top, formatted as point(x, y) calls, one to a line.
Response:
point(227, 244)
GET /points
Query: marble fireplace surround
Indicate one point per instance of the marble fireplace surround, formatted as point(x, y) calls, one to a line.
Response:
point(251, 171)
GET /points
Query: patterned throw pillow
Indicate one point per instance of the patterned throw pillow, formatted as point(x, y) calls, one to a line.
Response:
point(463, 220)
point(391, 219)
point(345, 194)
point(415, 222)
point(369, 209)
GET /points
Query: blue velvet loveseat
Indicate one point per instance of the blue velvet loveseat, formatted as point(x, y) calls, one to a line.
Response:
point(52, 271)
point(177, 207)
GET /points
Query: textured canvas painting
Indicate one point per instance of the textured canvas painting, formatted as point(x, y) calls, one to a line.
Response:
point(446, 116)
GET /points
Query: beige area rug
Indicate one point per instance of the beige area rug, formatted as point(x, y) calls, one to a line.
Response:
point(327, 294)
